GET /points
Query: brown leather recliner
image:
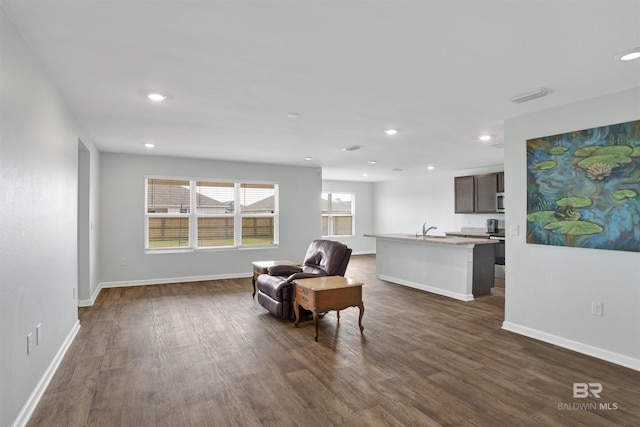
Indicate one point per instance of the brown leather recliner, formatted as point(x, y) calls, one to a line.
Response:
point(276, 290)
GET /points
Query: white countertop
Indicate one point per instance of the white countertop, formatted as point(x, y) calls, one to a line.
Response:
point(448, 240)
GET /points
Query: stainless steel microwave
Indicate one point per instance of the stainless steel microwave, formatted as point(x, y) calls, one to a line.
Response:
point(499, 202)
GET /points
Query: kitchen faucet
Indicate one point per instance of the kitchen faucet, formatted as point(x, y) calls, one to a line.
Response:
point(425, 230)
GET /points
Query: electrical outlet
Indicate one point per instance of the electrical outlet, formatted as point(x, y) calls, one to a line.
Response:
point(38, 333)
point(29, 343)
point(123, 261)
point(515, 230)
point(597, 308)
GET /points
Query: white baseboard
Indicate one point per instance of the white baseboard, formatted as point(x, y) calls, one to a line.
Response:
point(371, 252)
point(432, 289)
point(36, 395)
point(161, 281)
point(609, 356)
point(89, 302)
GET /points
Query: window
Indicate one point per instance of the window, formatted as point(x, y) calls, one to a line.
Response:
point(215, 210)
point(168, 203)
point(337, 214)
point(189, 214)
point(258, 205)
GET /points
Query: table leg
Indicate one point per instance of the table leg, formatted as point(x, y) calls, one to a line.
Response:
point(338, 314)
point(315, 323)
point(256, 272)
point(296, 311)
point(361, 306)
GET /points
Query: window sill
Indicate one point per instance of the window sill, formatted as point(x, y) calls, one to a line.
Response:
point(209, 249)
point(168, 251)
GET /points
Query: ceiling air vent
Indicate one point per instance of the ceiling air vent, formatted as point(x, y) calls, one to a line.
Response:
point(352, 148)
point(519, 99)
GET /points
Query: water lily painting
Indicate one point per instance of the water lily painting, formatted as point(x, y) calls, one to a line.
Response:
point(583, 188)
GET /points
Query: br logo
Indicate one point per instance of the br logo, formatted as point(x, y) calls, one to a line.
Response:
point(584, 390)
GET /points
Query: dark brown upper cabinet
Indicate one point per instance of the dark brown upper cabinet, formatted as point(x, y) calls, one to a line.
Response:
point(500, 182)
point(464, 191)
point(477, 193)
point(486, 187)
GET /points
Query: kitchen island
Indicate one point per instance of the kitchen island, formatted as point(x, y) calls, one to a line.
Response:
point(457, 267)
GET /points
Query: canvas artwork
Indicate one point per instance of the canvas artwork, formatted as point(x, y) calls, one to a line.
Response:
point(583, 188)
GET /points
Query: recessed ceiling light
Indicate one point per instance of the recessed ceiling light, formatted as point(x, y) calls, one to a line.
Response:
point(391, 132)
point(373, 162)
point(484, 138)
point(397, 170)
point(364, 174)
point(629, 55)
point(431, 167)
point(518, 99)
point(154, 96)
point(149, 145)
point(308, 158)
point(293, 115)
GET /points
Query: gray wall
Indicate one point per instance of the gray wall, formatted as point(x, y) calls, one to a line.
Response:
point(88, 220)
point(363, 213)
point(549, 288)
point(38, 223)
point(122, 219)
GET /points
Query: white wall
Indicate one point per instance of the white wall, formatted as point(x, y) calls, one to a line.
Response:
point(550, 289)
point(363, 192)
point(122, 219)
point(38, 224)
point(403, 205)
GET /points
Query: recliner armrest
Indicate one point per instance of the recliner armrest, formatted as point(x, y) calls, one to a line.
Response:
point(297, 276)
point(283, 270)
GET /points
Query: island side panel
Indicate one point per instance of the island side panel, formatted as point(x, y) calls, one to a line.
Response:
point(441, 269)
point(483, 269)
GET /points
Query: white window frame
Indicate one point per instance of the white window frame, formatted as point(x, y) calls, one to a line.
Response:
point(164, 215)
point(330, 214)
point(193, 216)
point(213, 215)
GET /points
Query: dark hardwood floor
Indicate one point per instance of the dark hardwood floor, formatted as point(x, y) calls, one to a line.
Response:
point(207, 354)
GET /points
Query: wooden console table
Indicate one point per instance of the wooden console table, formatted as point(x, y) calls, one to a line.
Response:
point(327, 293)
point(261, 267)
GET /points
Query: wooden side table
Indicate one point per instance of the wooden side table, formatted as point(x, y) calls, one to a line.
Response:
point(261, 267)
point(327, 293)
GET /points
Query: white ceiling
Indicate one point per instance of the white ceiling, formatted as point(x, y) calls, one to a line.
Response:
point(440, 71)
